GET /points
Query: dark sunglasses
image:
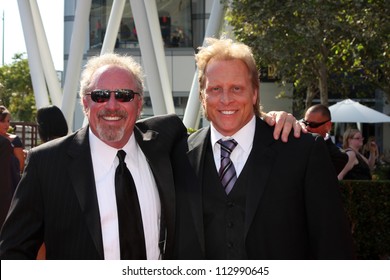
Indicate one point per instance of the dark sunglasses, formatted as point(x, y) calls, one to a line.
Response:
point(313, 124)
point(103, 95)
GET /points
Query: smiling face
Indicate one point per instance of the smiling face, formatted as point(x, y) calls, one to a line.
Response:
point(228, 96)
point(113, 121)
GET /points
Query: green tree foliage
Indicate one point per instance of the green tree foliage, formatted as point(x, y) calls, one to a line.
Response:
point(16, 92)
point(319, 45)
point(367, 206)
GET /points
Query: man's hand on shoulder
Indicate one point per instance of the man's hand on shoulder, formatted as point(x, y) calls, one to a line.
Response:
point(284, 122)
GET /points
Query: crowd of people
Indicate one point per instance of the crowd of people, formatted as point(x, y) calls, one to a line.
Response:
point(242, 188)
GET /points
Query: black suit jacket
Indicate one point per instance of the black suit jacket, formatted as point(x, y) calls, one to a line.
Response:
point(339, 158)
point(6, 190)
point(293, 205)
point(56, 201)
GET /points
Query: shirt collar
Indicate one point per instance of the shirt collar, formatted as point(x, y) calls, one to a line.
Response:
point(104, 154)
point(244, 136)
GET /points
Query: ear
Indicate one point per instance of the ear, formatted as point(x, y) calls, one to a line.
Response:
point(329, 125)
point(85, 104)
point(203, 101)
point(255, 97)
point(139, 106)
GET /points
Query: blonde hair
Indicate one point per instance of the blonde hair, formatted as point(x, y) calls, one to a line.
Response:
point(110, 59)
point(348, 134)
point(226, 49)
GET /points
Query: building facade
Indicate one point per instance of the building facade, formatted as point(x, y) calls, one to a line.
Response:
point(183, 25)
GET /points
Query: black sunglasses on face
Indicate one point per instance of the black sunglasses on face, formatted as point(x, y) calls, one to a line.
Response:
point(103, 95)
point(313, 124)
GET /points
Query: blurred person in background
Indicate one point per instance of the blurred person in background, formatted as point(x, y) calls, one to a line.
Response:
point(51, 123)
point(318, 120)
point(18, 155)
point(358, 167)
point(5, 178)
point(367, 148)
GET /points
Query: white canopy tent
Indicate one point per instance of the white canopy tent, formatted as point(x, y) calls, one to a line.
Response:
point(349, 111)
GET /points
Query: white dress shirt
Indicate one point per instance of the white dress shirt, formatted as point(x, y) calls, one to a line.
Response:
point(244, 138)
point(104, 162)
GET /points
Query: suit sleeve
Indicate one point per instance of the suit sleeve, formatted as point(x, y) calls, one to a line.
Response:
point(170, 129)
point(329, 231)
point(22, 232)
point(339, 159)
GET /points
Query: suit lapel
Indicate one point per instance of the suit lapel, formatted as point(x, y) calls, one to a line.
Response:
point(259, 163)
point(161, 166)
point(83, 181)
point(163, 174)
point(196, 154)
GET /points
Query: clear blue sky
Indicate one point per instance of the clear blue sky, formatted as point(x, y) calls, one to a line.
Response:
point(52, 13)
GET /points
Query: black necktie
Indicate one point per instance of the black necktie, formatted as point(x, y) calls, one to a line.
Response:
point(131, 233)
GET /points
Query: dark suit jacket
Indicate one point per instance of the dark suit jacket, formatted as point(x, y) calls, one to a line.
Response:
point(6, 190)
point(339, 159)
point(56, 200)
point(293, 205)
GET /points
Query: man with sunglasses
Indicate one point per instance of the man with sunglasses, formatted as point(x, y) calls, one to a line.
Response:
point(318, 120)
point(76, 190)
point(69, 196)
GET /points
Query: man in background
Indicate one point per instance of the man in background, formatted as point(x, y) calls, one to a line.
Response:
point(318, 120)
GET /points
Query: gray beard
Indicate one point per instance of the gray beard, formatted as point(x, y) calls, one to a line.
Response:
point(109, 133)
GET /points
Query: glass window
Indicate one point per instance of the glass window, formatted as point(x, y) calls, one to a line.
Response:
point(174, 17)
point(97, 23)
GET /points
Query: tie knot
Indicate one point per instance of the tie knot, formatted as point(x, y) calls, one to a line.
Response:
point(121, 155)
point(227, 145)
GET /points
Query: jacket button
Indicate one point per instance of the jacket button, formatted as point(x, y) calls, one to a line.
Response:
point(230, 204)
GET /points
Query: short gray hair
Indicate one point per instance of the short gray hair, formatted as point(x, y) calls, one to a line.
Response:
point(125, 62)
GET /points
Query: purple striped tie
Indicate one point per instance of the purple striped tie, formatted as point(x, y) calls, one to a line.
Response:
point(227, 173)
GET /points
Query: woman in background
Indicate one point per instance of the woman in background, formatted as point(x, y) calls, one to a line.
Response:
point(5, 178)
point(358, 166)
point(17, 156)
point(366, 150)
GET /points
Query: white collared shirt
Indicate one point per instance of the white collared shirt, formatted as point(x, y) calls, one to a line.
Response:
point(104, 162)
point(244, 138)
